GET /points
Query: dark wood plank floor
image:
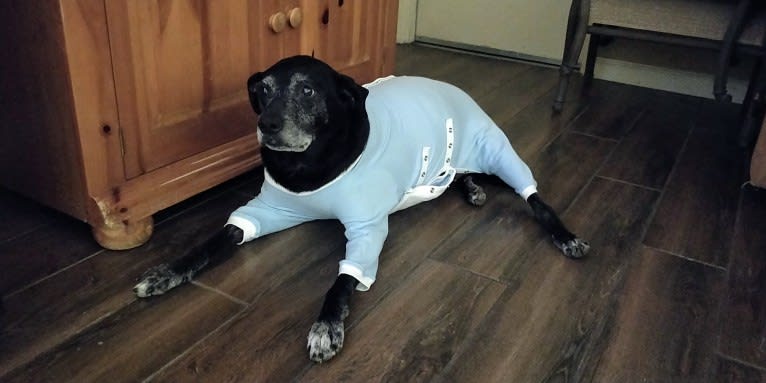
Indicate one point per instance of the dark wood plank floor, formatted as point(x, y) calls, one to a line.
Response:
point(673, 291)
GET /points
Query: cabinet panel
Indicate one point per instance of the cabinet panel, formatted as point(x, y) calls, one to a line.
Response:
point(180, 68)
point(348, 37)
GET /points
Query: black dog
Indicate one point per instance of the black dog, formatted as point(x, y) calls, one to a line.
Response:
point(334, 149)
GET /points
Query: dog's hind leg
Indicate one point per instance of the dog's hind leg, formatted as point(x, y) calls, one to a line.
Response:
point(325, 339)
point(474, 193)
point(501, 160)
point(160, 279)
point(567, 242)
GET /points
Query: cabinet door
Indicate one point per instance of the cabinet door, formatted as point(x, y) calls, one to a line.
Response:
point(180, 69)
point(352, 35)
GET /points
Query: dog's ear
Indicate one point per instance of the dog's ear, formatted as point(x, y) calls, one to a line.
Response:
point(350, 93)
point(252, 92)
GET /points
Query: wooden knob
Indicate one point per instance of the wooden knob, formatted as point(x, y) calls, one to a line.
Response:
point(278, 22)
point(296, 17)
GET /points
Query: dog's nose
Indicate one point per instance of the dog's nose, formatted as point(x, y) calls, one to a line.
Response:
point(268, 125)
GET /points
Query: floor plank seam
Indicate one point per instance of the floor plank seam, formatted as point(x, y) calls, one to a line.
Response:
point(545, 93)
point(570, 124)
point(502, 84)
point(592, 342)
point(213, 196)
point(476, 273)
point(629, 183)
point(597, 137)
point(686, 258)
point(634, 123)
point(742, 362)
point(194, 345)
point(599, 168)
point(219, 292)
point(587, 184)
point(52, 349)
point(671, 174)
point(368, 310)
point(49, 276)
point(724, 303)
point(24, 233)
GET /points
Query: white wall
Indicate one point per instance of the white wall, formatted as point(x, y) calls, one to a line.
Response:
point(531, 27)
point(534, 29)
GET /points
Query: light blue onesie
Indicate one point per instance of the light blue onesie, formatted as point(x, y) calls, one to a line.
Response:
point(422, 132)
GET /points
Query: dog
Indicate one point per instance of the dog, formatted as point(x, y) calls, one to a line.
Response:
point(333, 149)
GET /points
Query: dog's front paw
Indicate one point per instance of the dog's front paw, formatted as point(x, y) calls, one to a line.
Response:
point(574, 248)
point(325, 340)
point(157, 280)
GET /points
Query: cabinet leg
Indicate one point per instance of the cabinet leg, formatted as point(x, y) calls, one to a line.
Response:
point(123, 235)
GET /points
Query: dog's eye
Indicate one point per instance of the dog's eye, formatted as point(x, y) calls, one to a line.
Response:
point(264, 90)
point(308, 91)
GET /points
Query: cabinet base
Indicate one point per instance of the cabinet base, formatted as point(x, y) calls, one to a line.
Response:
point(124, 235)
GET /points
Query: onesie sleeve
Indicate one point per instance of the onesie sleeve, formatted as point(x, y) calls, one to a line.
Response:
point(257, 219)
point(365, 242)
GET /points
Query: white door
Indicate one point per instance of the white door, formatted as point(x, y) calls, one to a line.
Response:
point(532, 29)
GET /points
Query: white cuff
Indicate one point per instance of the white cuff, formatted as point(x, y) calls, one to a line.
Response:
point(528, 191)
point(354, 271)
point(247, 227)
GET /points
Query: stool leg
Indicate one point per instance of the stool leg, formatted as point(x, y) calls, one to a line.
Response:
point(753, 105)
point(590, 62)
point(733, 31)
point(576, 29)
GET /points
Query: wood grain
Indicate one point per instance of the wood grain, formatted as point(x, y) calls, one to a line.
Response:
point(266, 342)
point(464, 71)
point(504, 102)
point(416, 334)
point(627, 312)
point(135, 200)
point(665, 314)
point(613, 109)
point(732, 372)
point(21, 215)
point(44, 315)
point(38, 114)
point(39, 253)
point(554, 325)
point(647, 154)
point(174, 99)
point(743, 318)
point(695, 218)
point(496, 241)
point(269, 273)
point(132, 343)
point(536, 126)
point(89, 63)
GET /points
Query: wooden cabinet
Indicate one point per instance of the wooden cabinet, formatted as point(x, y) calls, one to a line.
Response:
point(115, 109)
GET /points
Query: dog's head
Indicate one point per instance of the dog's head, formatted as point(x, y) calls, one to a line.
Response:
point(299, 98)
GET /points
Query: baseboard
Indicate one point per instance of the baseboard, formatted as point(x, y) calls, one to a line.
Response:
point(625, 72)
point(671, 80)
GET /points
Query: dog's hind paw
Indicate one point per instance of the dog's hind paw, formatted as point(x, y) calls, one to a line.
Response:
point(157, 280)
point(474, 193)
point(325, 340)
point(574, 248)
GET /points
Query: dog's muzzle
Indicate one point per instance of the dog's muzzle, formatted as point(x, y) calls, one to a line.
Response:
point(285, 140)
